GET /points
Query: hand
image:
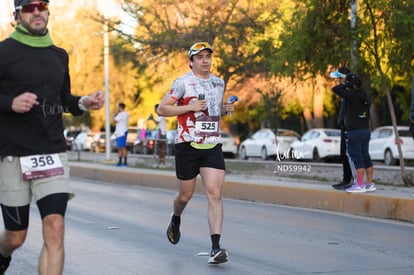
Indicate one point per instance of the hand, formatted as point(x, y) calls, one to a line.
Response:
point(95, 101)
point(23, 103)
point(228, 107)
point(348, 85)
point(199, 105)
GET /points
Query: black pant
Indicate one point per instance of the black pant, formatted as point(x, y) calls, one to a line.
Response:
point(347, 173)
point(412, 128)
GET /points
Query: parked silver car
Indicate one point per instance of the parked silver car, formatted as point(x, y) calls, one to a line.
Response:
point(265, 143)
point(383, 144)
point(317, 144)
point(229, 145)
point(83, 141)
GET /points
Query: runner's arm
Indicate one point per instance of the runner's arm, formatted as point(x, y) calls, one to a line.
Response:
point(168, 107)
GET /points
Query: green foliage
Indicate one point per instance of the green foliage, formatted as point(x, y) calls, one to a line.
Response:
point(386, 34)
point(272, 107)
point(299, 39)
point(315, 37)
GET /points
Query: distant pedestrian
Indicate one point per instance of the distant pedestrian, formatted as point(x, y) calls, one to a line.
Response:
point(161, 138)
point(357, 131)
point(347, 179)
point(121, 118)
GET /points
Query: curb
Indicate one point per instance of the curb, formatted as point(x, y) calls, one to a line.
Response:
point(380, 204)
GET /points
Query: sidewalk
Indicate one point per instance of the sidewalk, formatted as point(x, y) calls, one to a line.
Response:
point(387, 202)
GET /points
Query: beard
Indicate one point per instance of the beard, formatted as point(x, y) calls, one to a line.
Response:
point(37, 30)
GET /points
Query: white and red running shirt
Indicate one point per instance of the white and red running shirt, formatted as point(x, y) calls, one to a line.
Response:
point(199, 127)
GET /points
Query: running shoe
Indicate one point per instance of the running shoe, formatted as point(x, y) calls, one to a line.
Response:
point(342, 185)
point(173, 232)
point(218, 256)
point(4, 263)
point(355, 188)
point(370, 187)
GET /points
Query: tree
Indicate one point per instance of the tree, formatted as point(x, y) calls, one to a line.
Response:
point(272, 106)
point(385, 36)
point(314, 39)
point(84, 43)
point(382, 37)
point(241, 31)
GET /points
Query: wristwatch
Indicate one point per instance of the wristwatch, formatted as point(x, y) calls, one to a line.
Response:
point(80, 103)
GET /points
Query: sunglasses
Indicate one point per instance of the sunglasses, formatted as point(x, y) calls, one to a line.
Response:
point(200, 45)
point(31, 7)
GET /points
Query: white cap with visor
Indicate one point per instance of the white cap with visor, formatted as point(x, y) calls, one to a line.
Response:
point(198, 47)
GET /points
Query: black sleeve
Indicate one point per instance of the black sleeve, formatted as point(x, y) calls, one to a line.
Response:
point(5, 104)
point(343, 91)
point(69, 101)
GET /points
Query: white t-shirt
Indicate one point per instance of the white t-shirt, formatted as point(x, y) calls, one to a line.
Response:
point(121, 120)
point(199, 127)
point(161, 125)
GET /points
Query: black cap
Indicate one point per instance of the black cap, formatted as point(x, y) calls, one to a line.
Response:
point(18, 3)
point(354, 79)
point(344, 70)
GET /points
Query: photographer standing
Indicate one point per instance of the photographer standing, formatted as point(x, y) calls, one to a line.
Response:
point(346, 182)
point(358, 133)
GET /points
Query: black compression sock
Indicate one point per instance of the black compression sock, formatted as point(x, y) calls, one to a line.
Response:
point(215, 240)
point(176, 219)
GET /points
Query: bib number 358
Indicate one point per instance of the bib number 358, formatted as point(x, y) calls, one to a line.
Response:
point(41, 166)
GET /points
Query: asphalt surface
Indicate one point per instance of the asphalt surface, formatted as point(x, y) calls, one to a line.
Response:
point(116, 228)
point(389, 201)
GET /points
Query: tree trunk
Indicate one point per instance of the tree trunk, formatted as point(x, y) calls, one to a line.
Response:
point(307, 114)
point(318, 99)
point(406, 179)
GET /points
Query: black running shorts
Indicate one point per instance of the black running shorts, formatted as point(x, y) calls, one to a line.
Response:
point(188, 160)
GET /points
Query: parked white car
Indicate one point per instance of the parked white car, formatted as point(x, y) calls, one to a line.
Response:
point(229, 145)
point(383, 144)
point(319, 144)
point(83, 141)
point(265, 143)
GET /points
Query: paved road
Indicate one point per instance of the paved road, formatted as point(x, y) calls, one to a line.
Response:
point(120, 229)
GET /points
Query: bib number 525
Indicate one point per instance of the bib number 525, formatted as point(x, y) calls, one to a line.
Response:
point(208, 126)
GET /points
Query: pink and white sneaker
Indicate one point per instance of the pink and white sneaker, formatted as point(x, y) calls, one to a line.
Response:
point(355, 188)
point(370, 187)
